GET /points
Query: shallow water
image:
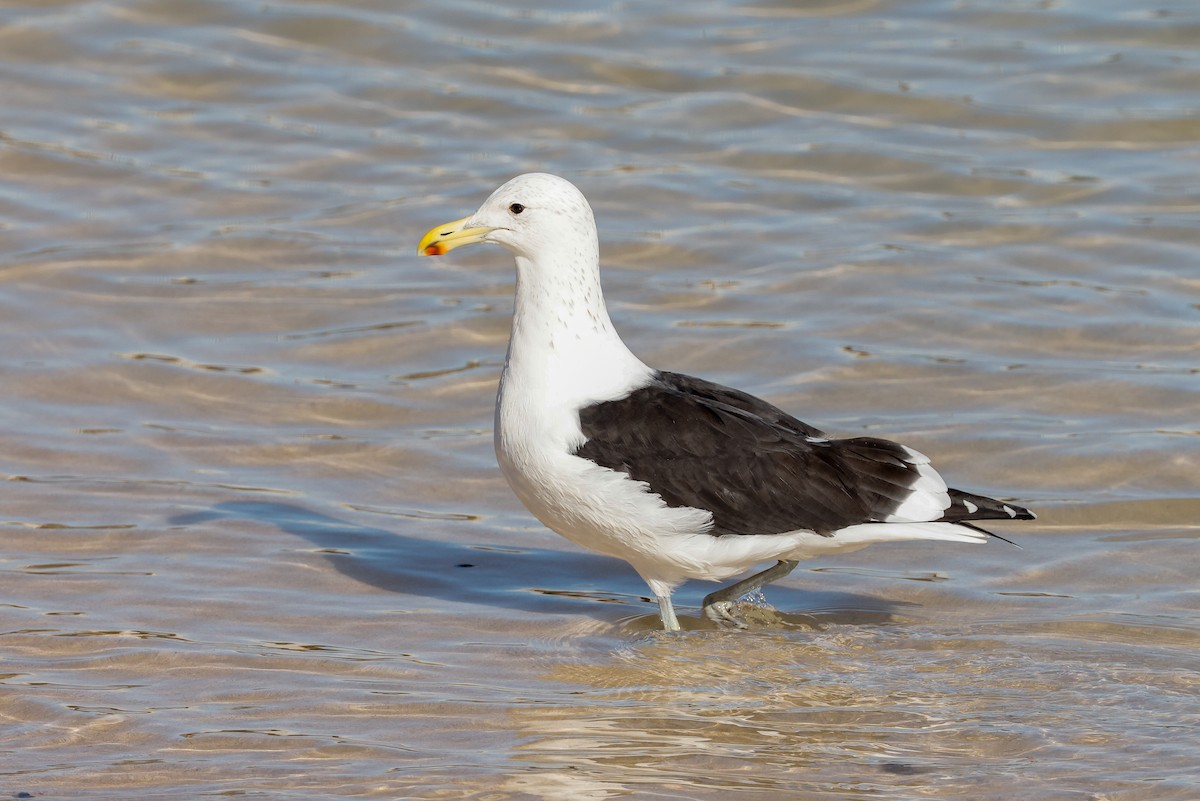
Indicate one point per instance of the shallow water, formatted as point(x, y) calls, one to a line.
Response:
point(254, 539)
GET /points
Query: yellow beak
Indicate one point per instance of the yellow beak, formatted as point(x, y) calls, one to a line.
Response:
point(444, 238)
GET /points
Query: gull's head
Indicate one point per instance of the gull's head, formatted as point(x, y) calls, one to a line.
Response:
point(528, 215)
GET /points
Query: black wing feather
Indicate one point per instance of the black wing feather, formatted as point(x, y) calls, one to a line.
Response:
point(756, 468)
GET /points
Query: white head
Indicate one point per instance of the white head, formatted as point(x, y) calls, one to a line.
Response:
point(531, 216)
point(564, 351)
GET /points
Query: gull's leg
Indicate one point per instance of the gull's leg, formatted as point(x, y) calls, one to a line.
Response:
point(667, 612)
point(719, 605)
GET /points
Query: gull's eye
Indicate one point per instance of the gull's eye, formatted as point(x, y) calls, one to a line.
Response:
point(516, 208)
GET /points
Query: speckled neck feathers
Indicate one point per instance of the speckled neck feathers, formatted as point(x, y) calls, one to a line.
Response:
point(564, 351)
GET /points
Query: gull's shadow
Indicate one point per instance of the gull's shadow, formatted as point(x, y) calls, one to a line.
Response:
point(513, 578)
point(495, 575)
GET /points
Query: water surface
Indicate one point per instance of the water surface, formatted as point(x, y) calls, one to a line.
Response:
point(254, 539)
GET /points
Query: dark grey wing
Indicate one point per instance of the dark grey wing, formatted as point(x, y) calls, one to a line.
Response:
point(707, 390)
point(757, 469)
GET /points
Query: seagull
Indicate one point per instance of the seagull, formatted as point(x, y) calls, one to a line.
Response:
point(680, 477)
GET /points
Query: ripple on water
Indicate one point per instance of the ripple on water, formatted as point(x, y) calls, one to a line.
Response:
point(255, 539)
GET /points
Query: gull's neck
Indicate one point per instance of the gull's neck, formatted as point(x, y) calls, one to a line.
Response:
point(564, 352)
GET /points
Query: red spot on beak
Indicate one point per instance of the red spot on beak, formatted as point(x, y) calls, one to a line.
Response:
point(434, 250)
